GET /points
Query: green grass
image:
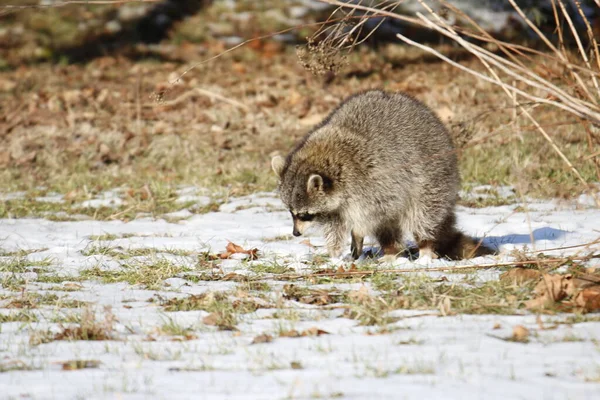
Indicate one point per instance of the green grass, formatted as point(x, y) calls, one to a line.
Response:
point(272, 268)
point(20, 316)
point(22, 264)
point(149, 274)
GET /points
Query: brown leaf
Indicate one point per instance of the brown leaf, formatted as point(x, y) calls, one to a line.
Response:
point(211, 319)
point(520, 275)
point(232, 276)
point(497, 326)
point(520, 334)
point(360, 296)
point(233, 248)
point(296, 365)
point(445, 305)
point(72, 365)
point(314, 331)
point(308, 243)
point(4, 158)
point(588, 299)
point(290, 333)
point(27, 158)
point(550, 290)
point(264, 338)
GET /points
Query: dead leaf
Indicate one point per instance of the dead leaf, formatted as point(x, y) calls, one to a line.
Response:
point(211, 319)
point(73, 365)
point(359, 296)
point(308, 243)
point(314, 331)
point(550, 290)
point(497, 326)
point(232, 276)
point(319, 297)
point(27, 158)
point(520, 334)
point(290, 333)
point(72, 285)
point(588, 299)
point(445, 305)
point(296, 365)
point(520, 275)
point(264, 338)
point(4, 158)
point(233, 248)
point(541, 325)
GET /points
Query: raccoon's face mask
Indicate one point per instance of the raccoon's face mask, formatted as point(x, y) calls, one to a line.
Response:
point(310, 200)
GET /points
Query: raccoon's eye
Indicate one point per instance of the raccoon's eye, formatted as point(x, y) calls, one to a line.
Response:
point(305, 217)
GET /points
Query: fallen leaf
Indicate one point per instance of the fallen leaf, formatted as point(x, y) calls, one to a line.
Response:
point(520, 275)
point(264, 338)
point(497, 326)
point(445, 305)
point(296, 365)
point(520, 334)
point(233, 248)
point(211, 319)
point(314, 331)
point(550, 290)
point(359, 296)
point(588, 299)
point(72, 285)
point(290, 333)
point(308, 243)
point(72, 365)
point(232, 276)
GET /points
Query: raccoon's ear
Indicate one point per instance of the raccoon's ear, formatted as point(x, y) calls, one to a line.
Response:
point(314, 184)
point(277, 163)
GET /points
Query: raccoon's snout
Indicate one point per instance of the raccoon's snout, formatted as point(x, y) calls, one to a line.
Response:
point(297, 232)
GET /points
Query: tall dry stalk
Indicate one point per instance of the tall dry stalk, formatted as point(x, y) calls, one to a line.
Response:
point(576, 92)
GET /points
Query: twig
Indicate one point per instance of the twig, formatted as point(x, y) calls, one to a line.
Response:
point(408, 270)
point(202, 92)
point(508, 88)
point(597, 241)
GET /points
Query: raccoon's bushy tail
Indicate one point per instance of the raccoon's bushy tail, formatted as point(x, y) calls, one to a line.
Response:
point(455, 245)
point(464, 246)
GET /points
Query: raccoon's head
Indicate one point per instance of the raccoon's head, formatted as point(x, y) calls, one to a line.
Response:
point(310, 197)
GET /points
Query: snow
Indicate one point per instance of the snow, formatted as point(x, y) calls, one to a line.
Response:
point(424, 355)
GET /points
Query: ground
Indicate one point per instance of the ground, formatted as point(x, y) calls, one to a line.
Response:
point(144, 252)
point(148, 308)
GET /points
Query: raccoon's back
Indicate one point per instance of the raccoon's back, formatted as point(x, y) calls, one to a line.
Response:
point(402, 134)
point(393, 121)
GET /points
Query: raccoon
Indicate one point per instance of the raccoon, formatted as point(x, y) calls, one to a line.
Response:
point(382, 165)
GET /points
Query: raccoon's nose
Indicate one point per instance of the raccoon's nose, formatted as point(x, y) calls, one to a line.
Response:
point(297, 232)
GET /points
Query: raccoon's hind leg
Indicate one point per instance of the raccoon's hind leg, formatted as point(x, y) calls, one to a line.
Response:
point(356, 246)
point(389, 235)
point(426, 250)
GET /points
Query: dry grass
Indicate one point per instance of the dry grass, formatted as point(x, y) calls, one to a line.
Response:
point(79, 130)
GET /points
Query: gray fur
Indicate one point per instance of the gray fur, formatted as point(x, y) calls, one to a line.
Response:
point(381, 164)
